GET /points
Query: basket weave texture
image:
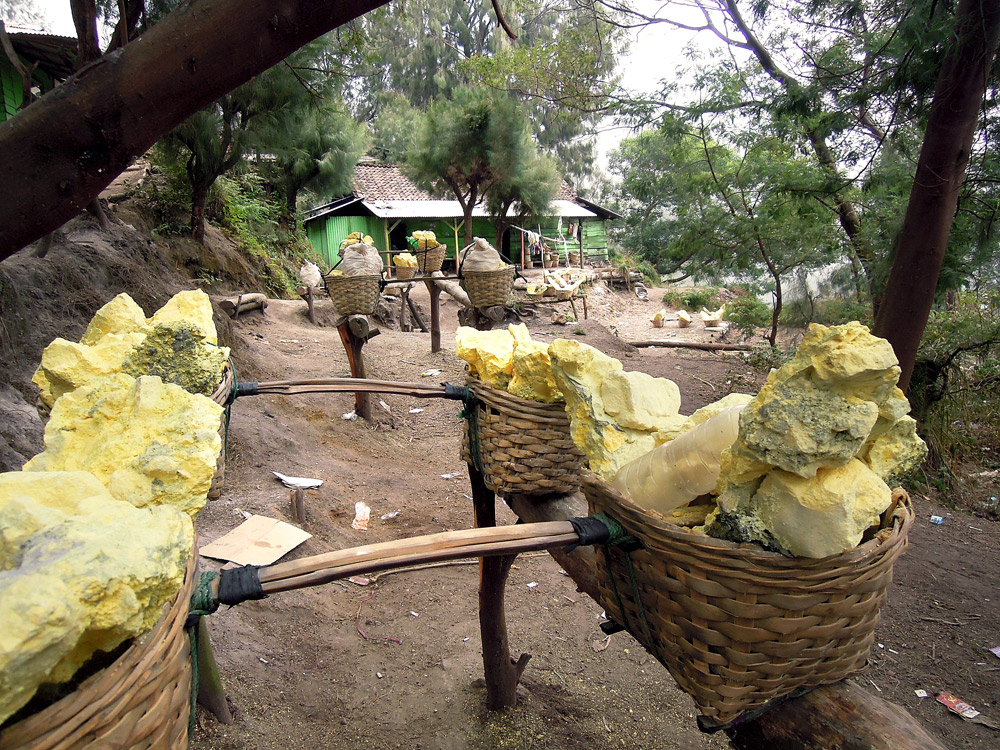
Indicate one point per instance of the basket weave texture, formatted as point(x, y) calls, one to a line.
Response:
point(221, 396)
point(141, 701)
point(431, 260)
point(404, 273)
point(739, 627)
point(524, 446)
point(354, 295)
point(488, 288)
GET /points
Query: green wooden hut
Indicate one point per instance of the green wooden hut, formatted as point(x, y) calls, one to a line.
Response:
point(388, 206)
point(49, 58)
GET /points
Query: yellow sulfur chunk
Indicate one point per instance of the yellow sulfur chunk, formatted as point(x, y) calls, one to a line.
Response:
point(120, 315)
point(405, 260)
point(67, 365)
point(85, 572)
point(489, 354)
point(823, 515)
point(191, 307)
point(150, 443)
point(614, 416)
point(532, 373)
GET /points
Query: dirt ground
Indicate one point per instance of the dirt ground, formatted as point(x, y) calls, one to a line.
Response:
point(397, 663)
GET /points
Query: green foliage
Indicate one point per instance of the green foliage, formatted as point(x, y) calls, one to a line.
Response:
point(167, 196)
point(694, 299)
point(802, 311)
point(955, 388)
point(747, 313)
point(649, 273)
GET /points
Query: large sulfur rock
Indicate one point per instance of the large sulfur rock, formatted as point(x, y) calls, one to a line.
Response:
point(83, 573)
point(532, 373)
point(149, 442)
point(178, 353)
point(489, 354)
point(614, 416)
point(192, 307)
point(823, 515)
point(67, 365)
point(895, 452)
point(120, 315)
point(818, 410)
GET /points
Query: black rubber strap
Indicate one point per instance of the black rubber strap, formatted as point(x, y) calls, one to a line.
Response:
point(455, 392)
point(246, 388)
point(240, 585)
point(590, 530)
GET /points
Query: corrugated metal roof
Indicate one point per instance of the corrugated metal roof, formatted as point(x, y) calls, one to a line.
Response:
point(440, 209)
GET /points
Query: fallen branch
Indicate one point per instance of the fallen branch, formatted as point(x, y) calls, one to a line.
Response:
point(706, 346)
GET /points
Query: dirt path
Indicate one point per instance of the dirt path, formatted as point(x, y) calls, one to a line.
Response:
point(397, 663)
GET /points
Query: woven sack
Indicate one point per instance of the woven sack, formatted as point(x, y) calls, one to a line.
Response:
point(488, 288)
point(354, 295)
point(141, 701)
point(739, 627)
point(522, 446)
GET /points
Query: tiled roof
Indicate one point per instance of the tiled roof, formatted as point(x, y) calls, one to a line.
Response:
point(384, 182)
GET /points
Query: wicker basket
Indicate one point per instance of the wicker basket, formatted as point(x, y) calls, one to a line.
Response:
point(523, 446)
point(431, 260)
point(221, 396)
point(354, 295)
point(739, 627)
point(405, 273)
point(143, 700)
point(488, 288)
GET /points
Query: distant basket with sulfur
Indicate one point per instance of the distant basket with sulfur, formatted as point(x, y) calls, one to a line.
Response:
point(142, 700)
point(520, 446)
point(430, 260)
point(354, 295)
point(488, 288)
point(405, 273)
point(737, 626)
point(223, 396)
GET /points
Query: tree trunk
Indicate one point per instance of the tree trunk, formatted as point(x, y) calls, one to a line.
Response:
point(85, 20)
point(951, 128)
point(70, 144)
point(199, 196)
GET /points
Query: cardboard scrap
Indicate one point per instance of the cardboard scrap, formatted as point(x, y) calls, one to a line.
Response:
point(257, 541)
point(966, 711)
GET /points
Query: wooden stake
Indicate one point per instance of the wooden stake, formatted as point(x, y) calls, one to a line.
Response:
point(353, 344)
point(298, 503)
point(243, 303)
point(306, 292)
point(435, 293)
point(211, 694)
point(501, 672)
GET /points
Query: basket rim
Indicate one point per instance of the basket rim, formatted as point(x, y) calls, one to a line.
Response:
point(895, 523)
point(224, 389)
point(515, 406)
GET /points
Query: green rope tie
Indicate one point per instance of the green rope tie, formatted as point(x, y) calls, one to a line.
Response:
point(627, 543)
point(471, 415)
point(203, 602)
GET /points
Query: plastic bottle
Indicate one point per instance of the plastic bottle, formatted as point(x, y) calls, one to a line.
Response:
point(675, 473)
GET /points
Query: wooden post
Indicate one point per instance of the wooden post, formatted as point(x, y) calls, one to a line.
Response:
point(416, 315)
point(840, 715)
point(354, 332)
point(306, 293)
point(244, 303)
point(210, 692)
point(404, 299)
point(501, 672)
point(298, 503)
point(435, 294)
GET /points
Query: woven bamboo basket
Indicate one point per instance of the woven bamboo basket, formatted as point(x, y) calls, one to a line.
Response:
point(739, 627)
point(221, 396)
point(354, 295)
point(488, 288)
point(431, 260)
point(141, 701)
point(405, 273)
point(523, 446)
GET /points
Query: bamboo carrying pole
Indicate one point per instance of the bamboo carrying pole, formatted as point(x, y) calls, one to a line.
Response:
point(449, 545)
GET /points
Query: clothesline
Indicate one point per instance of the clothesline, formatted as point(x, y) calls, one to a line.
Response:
point(563, 240)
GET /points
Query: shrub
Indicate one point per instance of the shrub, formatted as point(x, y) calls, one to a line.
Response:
point(694, 299)
point(802, 311)
point(748, 313)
